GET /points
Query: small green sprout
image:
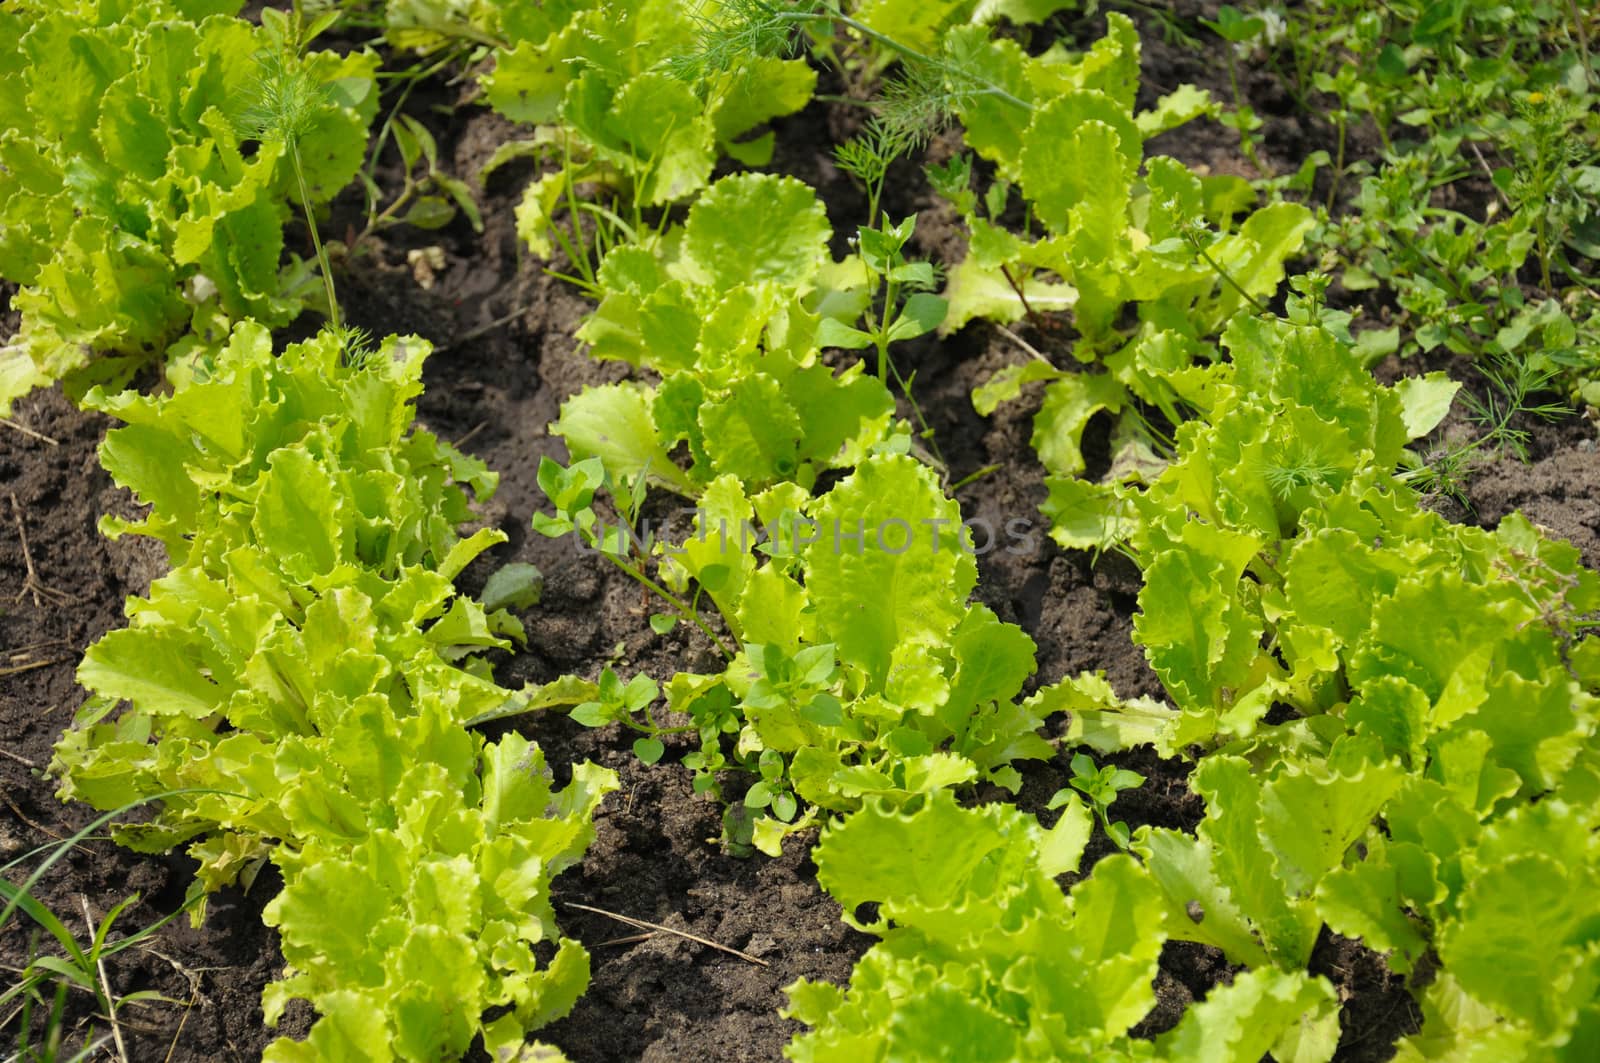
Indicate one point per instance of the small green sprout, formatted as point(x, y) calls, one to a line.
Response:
point(630, 705)
point(1101, 786)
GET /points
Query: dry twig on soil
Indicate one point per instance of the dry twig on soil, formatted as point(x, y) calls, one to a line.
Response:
point(646, 925)
point(31, 585)
point(30, 433)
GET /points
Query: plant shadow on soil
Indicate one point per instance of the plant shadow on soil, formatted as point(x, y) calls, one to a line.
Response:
point(659, 996)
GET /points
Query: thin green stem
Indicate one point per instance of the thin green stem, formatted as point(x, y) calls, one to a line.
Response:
point(384, 216)
point(1583, 38)
point(1233, 75)
point(1246, 144)
point(891, 292)
point(577, 249)
point(586, 287)
point(629, 231)
point(316, 239)
point(655, 730)
point(1338, 164)
point(922, 420)
point(974, 477)
point(848, 101)
point(1033, 317)
point(691, 615)
point(1383, 133)
point(573, 212)
point(413, 78)
point(1224, 274)
point(1542, 234)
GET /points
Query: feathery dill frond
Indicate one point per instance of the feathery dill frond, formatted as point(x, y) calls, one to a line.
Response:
point(921, 100)
point(283, 101)
point(1512, 395)
point(867, 157)
point(743, 29)
point(928, 91)
point(916, 104)
point(357, 348)
point(1442, 473)
point(283, 105)
point(1513, 384)
point(1297, 464)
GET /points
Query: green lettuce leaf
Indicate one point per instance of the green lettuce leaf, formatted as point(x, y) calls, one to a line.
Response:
point(136, 216)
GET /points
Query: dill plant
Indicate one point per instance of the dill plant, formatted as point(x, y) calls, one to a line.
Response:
point(282, 109)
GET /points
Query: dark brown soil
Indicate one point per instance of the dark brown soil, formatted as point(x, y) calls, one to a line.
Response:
point(507, 360)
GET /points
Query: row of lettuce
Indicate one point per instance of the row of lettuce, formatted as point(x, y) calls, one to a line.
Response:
point(1391, 716)
point(298, 688)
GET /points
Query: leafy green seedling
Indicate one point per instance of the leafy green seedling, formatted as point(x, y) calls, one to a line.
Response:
point(909, 307)
point(1237, 28)
point(290, 31)
point(903, 305)
point(630, 705)
point(618, 701)
point(518, 585)
point(427, 202)
point(772, 790)
point(785, 680)
point(571, 491)
point(799, 684)
point(738, 830)
point(1234, 26)
point(714, 715)
point(1101, 786)
point(953, 182)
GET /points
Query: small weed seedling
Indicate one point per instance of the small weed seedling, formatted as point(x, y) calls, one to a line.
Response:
point(1101, 786)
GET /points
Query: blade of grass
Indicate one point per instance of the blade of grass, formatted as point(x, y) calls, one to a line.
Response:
point(30, 906)
point(65, 845)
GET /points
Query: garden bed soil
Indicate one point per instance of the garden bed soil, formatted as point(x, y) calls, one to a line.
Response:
point(507, 359)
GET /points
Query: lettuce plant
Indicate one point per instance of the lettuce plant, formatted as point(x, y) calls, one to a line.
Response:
point(625, 131)
point(730, 316)
point(302, 679)
point(860, 668)
point(1437, 690)
point(983, 957)
point(136, 213)
point(1115, 231)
